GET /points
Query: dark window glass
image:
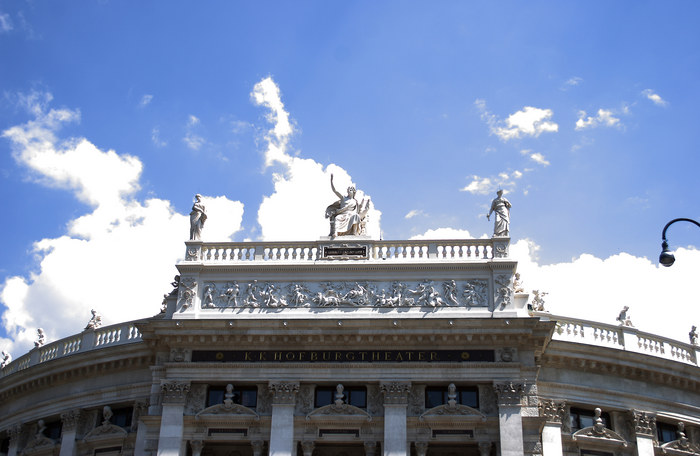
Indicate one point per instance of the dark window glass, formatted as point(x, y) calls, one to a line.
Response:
point(466, 395)
point(666, 432)
point(582, 418)
point(243, 395)
point(5, 446)
point(53, 430)
point(353, 395)
point(122, 417)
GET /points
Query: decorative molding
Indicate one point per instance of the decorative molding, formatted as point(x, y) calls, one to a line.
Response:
point(552, 411)
point(395, 393)
point(509, 394)
point(644, 423)
point(284, 393)
point(174, 392)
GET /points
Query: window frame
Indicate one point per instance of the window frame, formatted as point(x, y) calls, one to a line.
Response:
point(238, 395)
point(348, 393)
point(462, 392)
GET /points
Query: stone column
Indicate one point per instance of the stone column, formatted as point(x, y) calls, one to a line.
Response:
point(15, 432)
point(307, 446)
point(644, 424)
point(553, 413)
point(370, 448)
point(395, 403)
point(510, 422)
point(196, 446)
point(282, 423)
point(69, 425)
point(421, 448)
point(170, 441)
point(257, 447)
point(140, 409)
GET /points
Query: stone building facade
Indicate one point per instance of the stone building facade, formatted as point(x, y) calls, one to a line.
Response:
point(357, 347)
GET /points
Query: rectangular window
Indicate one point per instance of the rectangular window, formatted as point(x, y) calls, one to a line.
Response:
point(582, 418)
point(246, 396)
point(122, 417)
point(353, 395)
point(466, 395)
point(53, 430)
point(666, 432)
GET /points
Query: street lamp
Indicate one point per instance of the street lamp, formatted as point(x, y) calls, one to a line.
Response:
point(666, 258)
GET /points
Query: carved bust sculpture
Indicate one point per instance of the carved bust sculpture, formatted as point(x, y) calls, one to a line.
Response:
point(347, 217)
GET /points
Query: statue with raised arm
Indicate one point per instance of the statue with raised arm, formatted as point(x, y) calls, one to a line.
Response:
point(346, 215)
point(197, 218)
point(501, 207)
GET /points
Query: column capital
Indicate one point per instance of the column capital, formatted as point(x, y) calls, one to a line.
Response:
point(552, 411)
point(395, 393)
point(257, 447)
point(174, 392)
point(15, 431)
point(644, 422)
point(70, 419)
point(370, 448)
point(421, 448)
point(509, 393)
point(485, 448)
point(284, 393)
point(197, 446)
point(307, 446)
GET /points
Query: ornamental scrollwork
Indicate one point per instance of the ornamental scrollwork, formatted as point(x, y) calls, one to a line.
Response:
point(187, 293)
point(503, 290)
point(552, 411)
point(395, 393)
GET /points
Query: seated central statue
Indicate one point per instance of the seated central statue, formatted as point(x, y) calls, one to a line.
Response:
point(346, 216)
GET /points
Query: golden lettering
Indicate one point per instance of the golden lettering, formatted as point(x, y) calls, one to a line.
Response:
point(278, 356)
point(399, 357)
point(262, 356)
point(314, 356)
point(338, 355)
point(326, 356)
point(350, 356)
point(421, 356)
point(301, 356)
point(247, 356)
point(410, 355)
point(290, 356)
point(433, 356)
point(375, 356)
point(362, 355)
point(387, 356)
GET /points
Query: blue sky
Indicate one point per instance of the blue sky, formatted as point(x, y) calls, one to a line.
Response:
point(584, 112)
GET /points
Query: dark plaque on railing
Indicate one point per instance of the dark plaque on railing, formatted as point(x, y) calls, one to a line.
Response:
point(345, 252)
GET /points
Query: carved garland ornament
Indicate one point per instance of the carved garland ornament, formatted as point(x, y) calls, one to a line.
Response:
point(552, 411)
point(174, 392)
point(509, 394)
point(644, 422)
point(284, 392)
point(395, 393)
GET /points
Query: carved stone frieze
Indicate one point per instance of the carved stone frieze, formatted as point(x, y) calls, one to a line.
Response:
point(284, 393)
point(274, 295)
point(174, 392)
point(552, 411)
point(644, 423)
point(509, 394)
point(196, 400)
point(305, 400)
point(487, 400)
point(395, 393)
point(179, 355)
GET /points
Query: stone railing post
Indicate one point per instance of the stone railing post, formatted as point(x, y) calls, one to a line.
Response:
point(69, 425)
point(553, 414)
point(395, 404)
point(644, 424)
point(509, 419)
point(170, 441)
point(282, 423)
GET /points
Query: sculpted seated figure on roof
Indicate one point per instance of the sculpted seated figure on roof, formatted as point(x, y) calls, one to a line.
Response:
point(347, 217)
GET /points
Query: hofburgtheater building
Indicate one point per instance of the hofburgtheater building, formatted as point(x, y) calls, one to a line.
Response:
point(352, 346)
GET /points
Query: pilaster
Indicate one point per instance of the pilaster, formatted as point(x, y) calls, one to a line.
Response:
point(509, 419)
point(15, 433)
point(69, 426)
point(553, 413)
point(170, 441)
point(282, 423)
point(395, 404)
point(644, 424)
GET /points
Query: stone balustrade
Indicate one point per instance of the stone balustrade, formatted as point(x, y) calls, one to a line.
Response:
point(90, 339)
point(412, 250)
point(621, 337)
point(567, 329)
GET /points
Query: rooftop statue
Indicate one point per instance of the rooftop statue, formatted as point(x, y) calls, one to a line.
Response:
point(347, 217)
point(41, 338)
point(623, 318)
point(693, 335)
point(501, 224)
point(6, 359)
point(197, 218)
point(96, 320)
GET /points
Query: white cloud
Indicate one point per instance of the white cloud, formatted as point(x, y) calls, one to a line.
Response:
point(191, 139)
point(5, 23)
point(134, 243)
point(529, 121)
point(536, 157)
point(295, 210)
point(604, 118)
point(145, 100)
point(444, 233)
point(573, 81)
point(485, 185)
point(596, 289)
point(414, 213)
point(656, 98)
point(155, 138)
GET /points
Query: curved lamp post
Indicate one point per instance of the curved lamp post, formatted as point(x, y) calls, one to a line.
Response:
point(666, 258)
